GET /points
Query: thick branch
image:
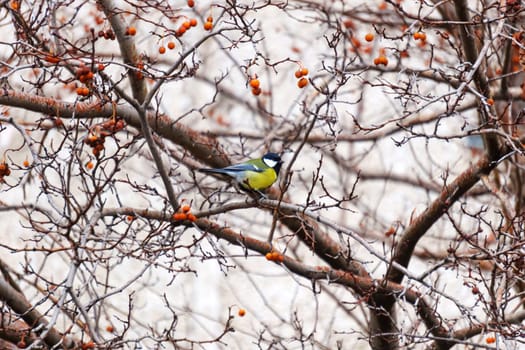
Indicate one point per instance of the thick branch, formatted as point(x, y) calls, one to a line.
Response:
point(206, 149)
point(371, 289)
point(19, 304)
point(420, 225)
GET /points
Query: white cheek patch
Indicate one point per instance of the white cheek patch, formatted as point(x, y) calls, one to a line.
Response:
point(269, 162)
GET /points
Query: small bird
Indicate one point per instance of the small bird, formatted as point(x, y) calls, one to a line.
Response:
point(253, 175)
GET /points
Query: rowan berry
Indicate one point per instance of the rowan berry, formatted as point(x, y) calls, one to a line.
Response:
point(301, 83)
point(131, 31)
point(255, 83)
point(208, 25)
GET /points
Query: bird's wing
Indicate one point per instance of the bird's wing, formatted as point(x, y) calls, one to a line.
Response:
point(233, 170)
point(243, 167)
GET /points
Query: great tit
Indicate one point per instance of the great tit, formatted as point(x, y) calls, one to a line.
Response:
point(253, 175)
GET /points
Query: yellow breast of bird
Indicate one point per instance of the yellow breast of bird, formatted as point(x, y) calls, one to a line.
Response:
point(259, 181)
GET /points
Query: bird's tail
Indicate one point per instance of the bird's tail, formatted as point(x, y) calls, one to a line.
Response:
point(213, 171)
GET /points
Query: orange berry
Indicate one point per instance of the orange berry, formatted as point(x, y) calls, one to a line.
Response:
point(256, 91)
point(100, 67)
point(420, 36)
point(181, 30)
point(275, 256)
point(4, 169)
point(349, 24)
point(242, 312)
point(302, 83)
point(185, 208)
point(129, 218)
point(14, 5)
point(255, 83)
point(82, 70)
point(193, 22)
point(491, 340)
point(110, 328)
point(209, 19)
point(208, 25)
point(298, 73)
point(369, 37)
point(192, 217)
point(80, 91)
point(191, 3)
point(131, 31)
point(89, 165)
point(179, 216)
point(186, 24)
point(25, 163)
point(382, 6)
point(171, 45)
point(304, 71)
point(96, 151)
point(380, 60)
point(490, 101)
point(88, 345)
point(91, 139)
point(269, 256)
point(162, 50)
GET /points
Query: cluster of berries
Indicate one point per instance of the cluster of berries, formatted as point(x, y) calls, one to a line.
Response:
point(301, 74)
point(85, 76)
point(274, 256)
point(255, 85)
point(208, 25)
point(107, 34)
point(4, 170)
point(185, 26)
point(184, 213)
point(97, 138)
